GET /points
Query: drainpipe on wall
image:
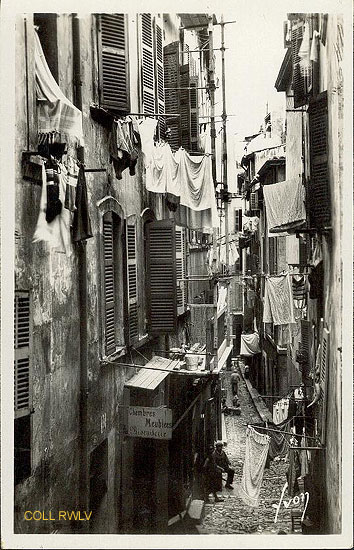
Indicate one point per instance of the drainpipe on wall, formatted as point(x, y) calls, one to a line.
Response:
point(82, 271)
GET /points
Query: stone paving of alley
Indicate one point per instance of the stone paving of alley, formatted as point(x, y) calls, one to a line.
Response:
point(233, 515)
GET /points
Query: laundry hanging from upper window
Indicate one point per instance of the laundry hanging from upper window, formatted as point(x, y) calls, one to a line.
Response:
point(58, 118)
point(285, 205)
point(278, 300)
point(250, 344)
point(123, 146)
point(53, 224)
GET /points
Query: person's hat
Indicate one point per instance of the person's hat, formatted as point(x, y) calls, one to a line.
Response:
point(219, 444)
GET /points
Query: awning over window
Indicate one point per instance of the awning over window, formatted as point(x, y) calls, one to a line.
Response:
point(148, 378)
point(56, 114)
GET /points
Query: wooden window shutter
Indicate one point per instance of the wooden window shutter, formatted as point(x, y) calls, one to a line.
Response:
point(185, 108)
point(319, 193)
point(22, 367)
point(238, 219)
point(162, 287)
point(254, 201)
point(273, 255)
point(109, 285)
point(172, 83)
point(193, 82)
point(305, 339)
point(322, 402)
point(181, 269)
point(299, 81)
point(132, 279)
point(113, 62)
point(159, 78)
point(147, 64)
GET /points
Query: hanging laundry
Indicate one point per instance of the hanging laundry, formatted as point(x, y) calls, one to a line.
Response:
point(280, 411)
point(250, 224)
point(304, 462)
point(162, 173)
point(304, 51)
point(315, 279)
point(314, 46)
point(196, 183)
point(278, 445)
point(257, 446)
point(294, 471)
point(57, 232)
point(250, 344)
point(299, 291)
point(285, 205)
point(123, 153)
point(222, 296)
point(278, 300)
point(81, 222)
point(54, 204)
point(147, 129)
point(56, 114)
point(233, 253)
point(244, 242)
point(71, 184)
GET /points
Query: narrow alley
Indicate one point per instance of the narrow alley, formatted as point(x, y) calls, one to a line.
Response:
point(233, 515)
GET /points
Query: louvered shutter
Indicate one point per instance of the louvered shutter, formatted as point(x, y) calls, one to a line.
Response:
point(254, 201)
point(132, 280)
point(172, 83)
point(299, 81)
point(147, 64)
point(322, 402)
point(113, 62)
point(305, 340)
point(238, 219)
point(109, 285)
point(181, 269)
point(319, 193)
point(159, 78)
point(22, 374)
point(273, 264)
point(185, 108)
point(193, 82)
point(161, 258)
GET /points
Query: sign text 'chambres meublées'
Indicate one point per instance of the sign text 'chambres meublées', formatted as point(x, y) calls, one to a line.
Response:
point(150, 422)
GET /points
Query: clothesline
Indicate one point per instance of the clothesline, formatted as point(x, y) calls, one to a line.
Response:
point(281, 432)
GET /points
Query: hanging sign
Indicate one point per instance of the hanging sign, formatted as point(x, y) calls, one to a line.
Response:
point(150, 422)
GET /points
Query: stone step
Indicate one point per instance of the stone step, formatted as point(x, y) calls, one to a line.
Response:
point(196, 510)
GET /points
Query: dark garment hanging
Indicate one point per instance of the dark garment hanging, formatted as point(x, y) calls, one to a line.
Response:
point(54, 204)
point(123, 148)
point(278, 445)
point(81, 222)
point(244, 242)
point(172, 202)
point(316, 281)
point(299, 292)
point(294, 471)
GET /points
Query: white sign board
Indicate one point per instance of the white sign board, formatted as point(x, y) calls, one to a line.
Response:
point(150, 422)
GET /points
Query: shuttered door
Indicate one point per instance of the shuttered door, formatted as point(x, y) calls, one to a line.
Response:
point(161, 258)
point(159, 78)
point(109, 284)
point(322, 402)
point(113, 62)
point(319, 194)
point(172, 80)
point(132, 280)
point(147, 64)
point(185, 108)
point(299, 81)
point(181, 269)
point(193, 82)
point(22, 375)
